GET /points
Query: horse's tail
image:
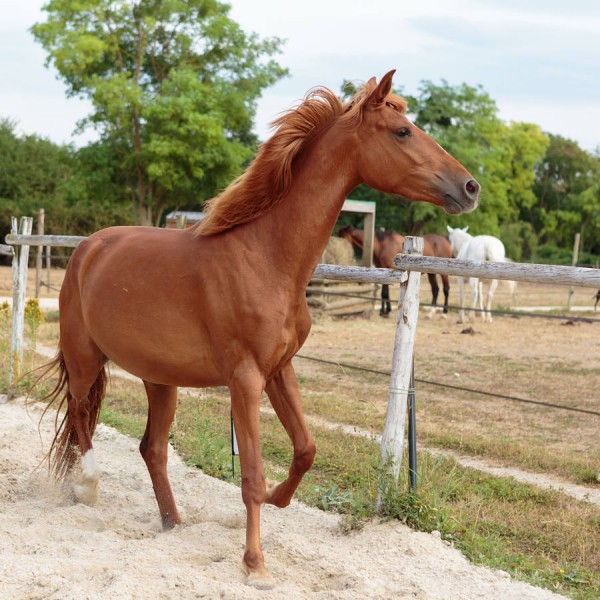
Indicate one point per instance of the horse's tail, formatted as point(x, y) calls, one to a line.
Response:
point(64, 450)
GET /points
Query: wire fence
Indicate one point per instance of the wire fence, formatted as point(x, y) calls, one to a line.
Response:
point(453, 387)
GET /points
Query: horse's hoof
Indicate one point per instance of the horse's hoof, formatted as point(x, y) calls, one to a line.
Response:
point(260, 580)
point(170, 521)
point(271, 496)
point(85, 490)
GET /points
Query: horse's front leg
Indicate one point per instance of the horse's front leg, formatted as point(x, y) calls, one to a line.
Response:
point(284, 395)
point(246, 386)
point(461, 299)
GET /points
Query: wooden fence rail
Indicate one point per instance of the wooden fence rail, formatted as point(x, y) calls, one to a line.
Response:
point(533, 273)
point(65, 241)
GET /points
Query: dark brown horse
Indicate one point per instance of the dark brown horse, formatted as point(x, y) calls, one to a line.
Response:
point(223, 303)
point(387, 244)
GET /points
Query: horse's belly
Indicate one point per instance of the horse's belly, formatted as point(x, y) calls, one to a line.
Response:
point(160, 348)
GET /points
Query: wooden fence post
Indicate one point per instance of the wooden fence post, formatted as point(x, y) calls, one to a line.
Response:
point(40, 250)
point(574, 262)
point(19, 273)
point(392, 439)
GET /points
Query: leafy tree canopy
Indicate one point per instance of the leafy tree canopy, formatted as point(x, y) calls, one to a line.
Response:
point(568, 192)
point(173, 85)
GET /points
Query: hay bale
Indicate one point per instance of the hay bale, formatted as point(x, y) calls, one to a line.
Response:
point(339, 252)
point(340, 298)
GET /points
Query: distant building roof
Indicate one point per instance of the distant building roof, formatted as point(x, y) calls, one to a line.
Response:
point(190, 215)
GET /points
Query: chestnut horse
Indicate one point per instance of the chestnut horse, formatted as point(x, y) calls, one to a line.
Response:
point(223, 302)
point(386, 244)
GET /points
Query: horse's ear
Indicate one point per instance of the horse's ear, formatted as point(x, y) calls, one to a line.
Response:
point(380, 93)
point(450, 230)
point(466, 229)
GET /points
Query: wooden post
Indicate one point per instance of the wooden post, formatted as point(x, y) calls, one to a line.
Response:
point(181, 219)
point(368, 239)
point(575, 255)
point(392, 439)
point(40, 251)
point(19, 273)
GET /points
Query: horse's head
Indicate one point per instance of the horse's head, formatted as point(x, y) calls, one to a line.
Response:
point(396, 157)
point(458, 237)
point(352, 234)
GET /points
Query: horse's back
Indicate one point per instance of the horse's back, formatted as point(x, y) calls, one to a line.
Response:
point(483, 248)
point(436, 245)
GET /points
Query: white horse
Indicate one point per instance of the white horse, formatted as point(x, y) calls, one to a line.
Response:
point(480, 247)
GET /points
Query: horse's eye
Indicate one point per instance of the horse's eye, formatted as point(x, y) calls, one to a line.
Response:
point(403, 132)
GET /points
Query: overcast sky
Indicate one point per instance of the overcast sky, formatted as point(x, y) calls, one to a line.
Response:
point(539, 60)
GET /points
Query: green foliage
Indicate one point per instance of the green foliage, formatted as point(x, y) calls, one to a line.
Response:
point(173, 87)
point(568, 192)
point(520, 239)
point(34, 317)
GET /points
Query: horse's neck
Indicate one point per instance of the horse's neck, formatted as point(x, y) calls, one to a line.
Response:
point(462, 241)
point(358, 239)
point(295, 232)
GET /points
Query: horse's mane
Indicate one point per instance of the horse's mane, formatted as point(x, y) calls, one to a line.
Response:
point(269, 176)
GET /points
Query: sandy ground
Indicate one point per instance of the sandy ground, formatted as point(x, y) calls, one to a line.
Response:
point(52, 548)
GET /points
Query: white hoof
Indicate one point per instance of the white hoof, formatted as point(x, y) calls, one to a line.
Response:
point(85, 487)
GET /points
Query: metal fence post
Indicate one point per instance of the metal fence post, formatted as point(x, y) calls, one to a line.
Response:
point(412, 431)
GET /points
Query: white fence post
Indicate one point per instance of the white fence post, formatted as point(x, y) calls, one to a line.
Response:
point(392, 439)
point(19, 273)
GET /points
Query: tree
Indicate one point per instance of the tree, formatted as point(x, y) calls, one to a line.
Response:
point(568, 189)
point(173, 85)
point(32, 172)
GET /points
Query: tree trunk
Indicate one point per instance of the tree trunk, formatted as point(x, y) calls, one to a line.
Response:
point(143, 215)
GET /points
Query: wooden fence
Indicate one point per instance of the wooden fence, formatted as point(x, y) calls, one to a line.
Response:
point(410, 264)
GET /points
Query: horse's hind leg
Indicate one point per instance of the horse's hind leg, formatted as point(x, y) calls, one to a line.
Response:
point(386, 306)
point(284, 395)
point(84, 363)
point(490, 296)
point(476, 287)
point(162, 402)
point(446, 284)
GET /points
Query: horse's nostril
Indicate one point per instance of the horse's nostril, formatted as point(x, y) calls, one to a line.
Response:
point(472, 187)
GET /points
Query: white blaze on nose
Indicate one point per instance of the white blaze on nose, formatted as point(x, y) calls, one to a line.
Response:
point(85, 487)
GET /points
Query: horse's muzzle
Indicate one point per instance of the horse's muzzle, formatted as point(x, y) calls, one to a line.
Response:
point(463, 200)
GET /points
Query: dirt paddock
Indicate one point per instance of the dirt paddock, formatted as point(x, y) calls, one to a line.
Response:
point(52, 548)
